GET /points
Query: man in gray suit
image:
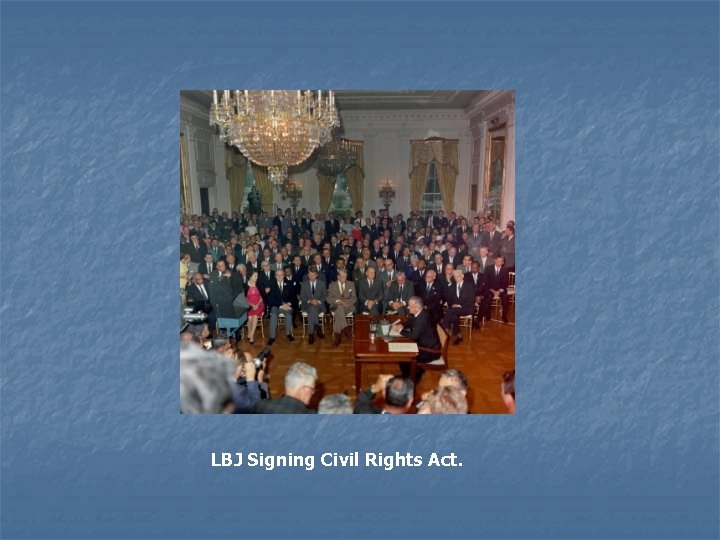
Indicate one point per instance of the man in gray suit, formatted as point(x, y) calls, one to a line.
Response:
point(399, 294)
point(474, 241)
point(485, 260)
point(342, 300)
point(370, 293)
point(313, 294)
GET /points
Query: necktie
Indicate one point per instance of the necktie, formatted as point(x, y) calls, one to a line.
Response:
point(401, 291)
point(371, 283)
point(312, 286)
point(497, 271)
point(342, 289)
point(458, 291)
point(202, 288)
point(281, 285)
point(210, 268)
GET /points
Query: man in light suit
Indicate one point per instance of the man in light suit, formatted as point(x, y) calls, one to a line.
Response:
point(370, 293)
point(507, 248)
point(484, 260)
point(461, 302)
point(492, 239)
point(313, 294)
point(342, 299)
point(399, 294)
point(474, 241)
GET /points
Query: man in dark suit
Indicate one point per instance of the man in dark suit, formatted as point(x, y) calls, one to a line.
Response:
point(496, 284)
point(477, 278)
point(208, 268)
point(265, 279)
point(461, 302)
point(280, 301)
point(370, 293)
point(398, 295)
point(196, 249)
point(300, 382)
point(422, 330)
point(431, 295)
point(313, 294)
point(199, 291)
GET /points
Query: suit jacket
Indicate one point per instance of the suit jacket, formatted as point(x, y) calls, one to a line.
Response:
point(320, 292)
point(365, 292)
point(493, 281)
point(282, 405)
point(421, 329)
point(432, 299)
point(264, 282)
point(403, 263)
point(197, 254)
point(199, 300)
point(393, 293)
point(275, 298)
point(203, 268)
point(507, 248)
point(478, 282)
point(494, 243)
point(445, 286)
point(364, 403)
point(466, 298)
point(222, 298)
point(349, 294)
point(489, 261)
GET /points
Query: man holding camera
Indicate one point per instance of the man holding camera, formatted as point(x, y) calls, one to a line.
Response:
point(250, 386)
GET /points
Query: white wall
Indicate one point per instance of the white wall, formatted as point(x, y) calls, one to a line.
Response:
point(194, 123)
point(387, 136)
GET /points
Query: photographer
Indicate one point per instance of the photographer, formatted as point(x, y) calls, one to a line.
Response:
point(250, 386)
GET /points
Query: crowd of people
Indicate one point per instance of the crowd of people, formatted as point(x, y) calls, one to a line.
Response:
point(432, 269)
point(226, 379)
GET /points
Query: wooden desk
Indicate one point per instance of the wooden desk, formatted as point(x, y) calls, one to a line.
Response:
point(368, 352)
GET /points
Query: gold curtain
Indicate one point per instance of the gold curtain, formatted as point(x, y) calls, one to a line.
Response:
point(355, 175)
point(264, 185)
point(235, 168)
point(326, 186)
point(445, 155)
point(447, 177)
point(418, 180)
point(185, 196)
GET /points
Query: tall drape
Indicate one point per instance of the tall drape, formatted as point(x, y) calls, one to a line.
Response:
point(185, 196)
point(326, 186)
point(264, 185)
point(418, 180)
point(445, 155)
point(235, 168)
point(355, 176)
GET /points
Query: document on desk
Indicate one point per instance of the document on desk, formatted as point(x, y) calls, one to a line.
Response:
point(403, 347)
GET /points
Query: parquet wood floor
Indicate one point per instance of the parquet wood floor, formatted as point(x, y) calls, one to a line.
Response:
point(484, 359)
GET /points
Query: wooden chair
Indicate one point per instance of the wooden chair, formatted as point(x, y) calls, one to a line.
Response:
point(466, 321)
point(441, 363)
point(304, 315)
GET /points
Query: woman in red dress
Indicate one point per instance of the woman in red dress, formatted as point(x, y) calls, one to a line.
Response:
point(257, 306)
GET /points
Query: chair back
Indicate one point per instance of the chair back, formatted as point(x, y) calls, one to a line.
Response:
point(444, 344)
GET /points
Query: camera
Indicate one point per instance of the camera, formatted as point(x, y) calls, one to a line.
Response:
point(261, 356)
point(191, 317)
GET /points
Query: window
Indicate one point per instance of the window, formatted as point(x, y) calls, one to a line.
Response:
point(341, 202)
point(249, 181)
point(432, 200)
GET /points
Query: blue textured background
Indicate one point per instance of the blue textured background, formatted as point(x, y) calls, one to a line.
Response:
point(617, 338)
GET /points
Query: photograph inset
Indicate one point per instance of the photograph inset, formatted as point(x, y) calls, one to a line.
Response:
point(347, 252)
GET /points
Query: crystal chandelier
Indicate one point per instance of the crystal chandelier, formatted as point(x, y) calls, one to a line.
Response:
point(275, 128)
point(335, 157)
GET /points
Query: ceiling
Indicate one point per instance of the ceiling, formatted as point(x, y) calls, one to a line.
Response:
point(355, 100)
